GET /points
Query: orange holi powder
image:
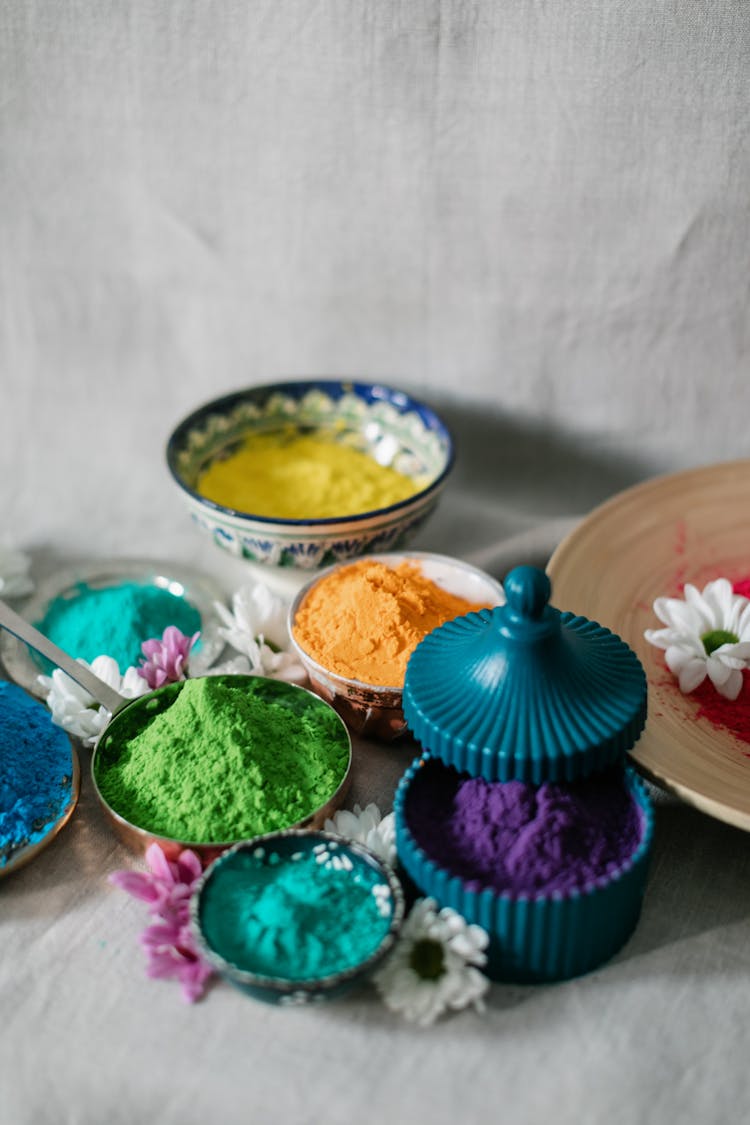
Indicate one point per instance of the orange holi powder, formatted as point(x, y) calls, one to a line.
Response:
point(364, 620)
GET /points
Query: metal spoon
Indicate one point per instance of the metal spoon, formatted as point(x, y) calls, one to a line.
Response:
point(84, 677)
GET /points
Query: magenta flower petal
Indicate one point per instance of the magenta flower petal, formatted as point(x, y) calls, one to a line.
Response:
point(163, 936)
point(189, 867)
point(159, 864)
point(168, 943)
point(135, 884)
point(166, 659)
point(194, 978)
point(162, 965)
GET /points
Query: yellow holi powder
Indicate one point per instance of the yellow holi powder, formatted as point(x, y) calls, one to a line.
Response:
point(302, 476)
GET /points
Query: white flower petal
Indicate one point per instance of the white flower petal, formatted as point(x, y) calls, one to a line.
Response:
point(718, 671)
point(75, 710)
point(734, 652)
point(679, 616)
point(281, 665)
point(742, 625)
point(366, 827)
point(236, 666)
point(719, 598)
point(732, 686)
point(459, 985)
point(677, 658)
point(691, 674)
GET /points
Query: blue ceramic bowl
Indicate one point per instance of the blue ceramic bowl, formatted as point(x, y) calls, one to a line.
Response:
point(208, 905)
point(396, 429)
point(536, 938)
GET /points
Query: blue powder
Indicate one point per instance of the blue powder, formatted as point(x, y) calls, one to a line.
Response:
point(36, 767)
point(115, 620)
point(299, 917)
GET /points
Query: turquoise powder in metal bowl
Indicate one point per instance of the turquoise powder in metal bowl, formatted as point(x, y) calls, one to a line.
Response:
point(110, 607)
point(297, 916)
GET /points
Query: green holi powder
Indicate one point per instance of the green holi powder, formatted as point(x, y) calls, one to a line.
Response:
point(115, 620)
point(297, 918)
point(222, 758)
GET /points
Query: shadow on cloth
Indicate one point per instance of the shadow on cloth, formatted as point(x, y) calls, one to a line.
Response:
point(516, 475)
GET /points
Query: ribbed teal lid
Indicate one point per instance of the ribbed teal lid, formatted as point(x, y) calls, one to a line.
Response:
point(525, 692)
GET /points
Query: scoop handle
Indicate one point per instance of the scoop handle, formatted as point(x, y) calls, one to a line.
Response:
point(101, 692)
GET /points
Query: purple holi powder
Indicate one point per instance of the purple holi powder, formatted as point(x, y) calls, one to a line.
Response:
point(523, 839)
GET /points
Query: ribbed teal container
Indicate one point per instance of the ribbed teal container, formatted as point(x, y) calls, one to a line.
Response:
point(527, 693)
point(535, 939)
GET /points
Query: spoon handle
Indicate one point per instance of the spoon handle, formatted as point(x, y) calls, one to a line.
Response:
point(101, 692)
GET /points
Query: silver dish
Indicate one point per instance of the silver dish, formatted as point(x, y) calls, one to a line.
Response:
point(199, 590)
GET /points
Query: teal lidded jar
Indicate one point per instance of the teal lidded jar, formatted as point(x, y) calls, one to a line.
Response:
point(526, 714)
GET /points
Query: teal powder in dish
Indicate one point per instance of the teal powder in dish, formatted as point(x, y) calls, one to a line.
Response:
point(297, 918)
point(115, 620)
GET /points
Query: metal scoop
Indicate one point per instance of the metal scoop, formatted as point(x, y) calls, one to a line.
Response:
point(84, 677)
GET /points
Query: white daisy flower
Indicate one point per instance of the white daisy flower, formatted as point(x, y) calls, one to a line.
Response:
point(707, 634)
point(256, 612)
point(256, 627)
point(15, 580)
point(368, 827)
point(235, 666)
point(75, 710)
point(435, 965)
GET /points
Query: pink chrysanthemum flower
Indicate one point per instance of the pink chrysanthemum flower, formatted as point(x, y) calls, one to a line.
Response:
point(166, 659)
point(171, 952)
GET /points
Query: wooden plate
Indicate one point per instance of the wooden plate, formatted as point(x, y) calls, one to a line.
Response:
point(645, 542)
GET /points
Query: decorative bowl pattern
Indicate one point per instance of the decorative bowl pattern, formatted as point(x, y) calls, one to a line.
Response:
point(394, 428)
point(376, 710)
point(285, 845)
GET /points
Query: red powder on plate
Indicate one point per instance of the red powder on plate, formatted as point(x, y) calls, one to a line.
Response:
point(742, 587)
point(728, 714)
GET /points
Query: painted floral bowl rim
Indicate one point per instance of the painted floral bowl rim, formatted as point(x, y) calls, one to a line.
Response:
point(296, 390)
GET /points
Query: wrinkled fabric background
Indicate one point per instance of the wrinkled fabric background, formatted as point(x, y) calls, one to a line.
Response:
point(536, 214)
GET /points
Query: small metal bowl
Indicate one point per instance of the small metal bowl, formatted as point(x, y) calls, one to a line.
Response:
point(286, 846)
point(376, 710)
point(139, 711)
point(395, 429)
point(198, 590)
